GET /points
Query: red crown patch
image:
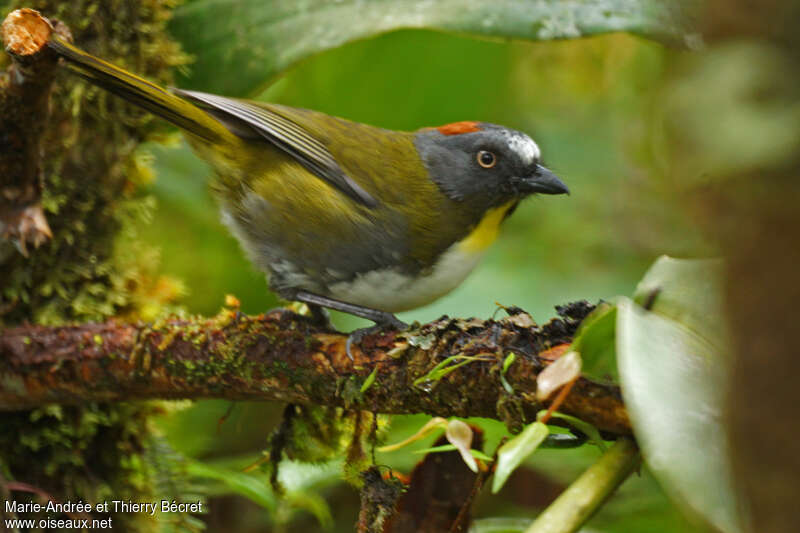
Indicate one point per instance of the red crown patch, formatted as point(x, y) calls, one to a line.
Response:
point(457, 128)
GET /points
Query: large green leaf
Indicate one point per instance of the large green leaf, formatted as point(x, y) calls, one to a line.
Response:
point(673, 370)
point(239, 45)
point(673, 381)
point(688, 291)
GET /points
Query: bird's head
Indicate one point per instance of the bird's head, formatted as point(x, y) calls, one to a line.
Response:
point(485, 164)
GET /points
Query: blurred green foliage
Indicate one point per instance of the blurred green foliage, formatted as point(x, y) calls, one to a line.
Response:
point(587, 103)
point(240, 45)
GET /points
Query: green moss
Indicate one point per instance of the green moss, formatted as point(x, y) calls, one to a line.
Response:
point(95, 266)
point(511, 410)
point(91, 453)
point(350, 391)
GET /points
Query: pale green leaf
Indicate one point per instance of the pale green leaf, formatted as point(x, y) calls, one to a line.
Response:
point(563, 370)
point(689, 291)
point(673, 381)
point(431, 425)
point(512, 453)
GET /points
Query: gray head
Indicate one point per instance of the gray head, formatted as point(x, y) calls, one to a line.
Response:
point(484, 163)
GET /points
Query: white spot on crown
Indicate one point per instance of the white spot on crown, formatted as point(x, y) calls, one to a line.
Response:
point(524, 146)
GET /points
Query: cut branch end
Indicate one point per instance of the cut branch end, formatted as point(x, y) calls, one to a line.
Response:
point(25, 32)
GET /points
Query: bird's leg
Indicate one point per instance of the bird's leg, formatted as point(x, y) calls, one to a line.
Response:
point(379, 317)
point(382, 319)
point(320, 316)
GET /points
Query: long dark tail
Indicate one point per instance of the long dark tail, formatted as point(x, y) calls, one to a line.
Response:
point(139, 91)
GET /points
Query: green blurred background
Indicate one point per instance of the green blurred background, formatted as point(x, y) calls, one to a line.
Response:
point(588, 103)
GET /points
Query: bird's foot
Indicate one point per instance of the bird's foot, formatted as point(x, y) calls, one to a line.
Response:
point(383, 319)
point(391, 322)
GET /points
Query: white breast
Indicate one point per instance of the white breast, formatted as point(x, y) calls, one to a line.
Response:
point(390, 290)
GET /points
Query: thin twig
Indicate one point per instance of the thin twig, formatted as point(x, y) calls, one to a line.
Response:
point(585, 495)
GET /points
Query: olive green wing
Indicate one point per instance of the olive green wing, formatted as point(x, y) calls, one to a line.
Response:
point(250, 120)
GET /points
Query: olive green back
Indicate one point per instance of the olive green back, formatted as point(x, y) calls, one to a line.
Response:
point(279, 201)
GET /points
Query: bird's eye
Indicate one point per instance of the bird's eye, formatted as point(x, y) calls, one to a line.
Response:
point(486, 159)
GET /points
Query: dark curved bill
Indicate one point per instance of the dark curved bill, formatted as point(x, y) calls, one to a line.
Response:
point(543, 181)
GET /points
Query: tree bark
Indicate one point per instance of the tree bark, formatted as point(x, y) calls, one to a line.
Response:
point(285, 357)
point(24, 112)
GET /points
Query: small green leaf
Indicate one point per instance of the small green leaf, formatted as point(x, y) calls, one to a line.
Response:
point(506, 385)
point(436, 449)
point(584, 427)
point(512, 453)
point(444, 368)
point(507, 362)
point(563, 370)
point(477, 454)
point(431, 425)
point(369, 381)
point(596, 342)
point(440, 370)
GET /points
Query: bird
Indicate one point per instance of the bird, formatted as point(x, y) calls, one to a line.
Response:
point(342, 215)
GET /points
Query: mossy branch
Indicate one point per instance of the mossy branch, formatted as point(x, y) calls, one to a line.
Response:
point(283, 356)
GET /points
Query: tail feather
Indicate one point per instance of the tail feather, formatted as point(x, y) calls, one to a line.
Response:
point(139, 91)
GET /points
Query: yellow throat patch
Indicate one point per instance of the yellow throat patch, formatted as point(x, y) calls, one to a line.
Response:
point(485, 233)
